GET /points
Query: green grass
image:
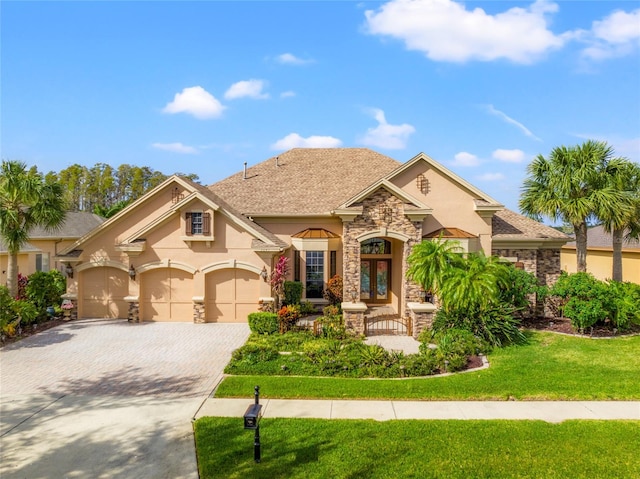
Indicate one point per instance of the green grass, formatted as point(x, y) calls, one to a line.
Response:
point(315, 448)
point(550, 367)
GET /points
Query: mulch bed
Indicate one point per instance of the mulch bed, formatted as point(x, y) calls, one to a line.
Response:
point(31, 330)
point(563, 325)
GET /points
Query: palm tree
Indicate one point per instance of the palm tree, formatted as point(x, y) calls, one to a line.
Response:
point(625, 177)
point(431, 261)
point(567, 186)
point(26, 201)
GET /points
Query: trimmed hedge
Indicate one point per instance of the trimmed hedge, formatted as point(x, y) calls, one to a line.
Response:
point(263, 322)
point(292, 292)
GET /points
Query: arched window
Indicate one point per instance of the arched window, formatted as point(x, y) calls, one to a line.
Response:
point(375, 246)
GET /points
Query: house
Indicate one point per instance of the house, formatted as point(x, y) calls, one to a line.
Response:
point(185, 252)
point(600, 256)
point(39, 254)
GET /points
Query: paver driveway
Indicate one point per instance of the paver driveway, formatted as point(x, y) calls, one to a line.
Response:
point(108, 398)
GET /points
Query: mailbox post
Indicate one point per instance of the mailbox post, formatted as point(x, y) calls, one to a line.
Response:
point(252, 421)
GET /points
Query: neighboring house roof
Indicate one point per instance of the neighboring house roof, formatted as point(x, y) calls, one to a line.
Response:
point(306, 181)
point(598, 237)
point(509, 225)
point(26, 248)
point(76, 224)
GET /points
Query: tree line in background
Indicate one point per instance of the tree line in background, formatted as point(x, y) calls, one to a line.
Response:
point(103, 189)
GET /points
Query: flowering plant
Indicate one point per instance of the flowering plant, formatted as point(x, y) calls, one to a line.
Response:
point(67, 304)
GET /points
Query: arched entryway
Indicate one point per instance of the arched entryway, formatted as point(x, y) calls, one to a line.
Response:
point(376, 271)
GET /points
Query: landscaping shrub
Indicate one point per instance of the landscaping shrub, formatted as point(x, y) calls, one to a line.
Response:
point(292, 292)
point(332, 327)
point(263, 323)
point(44, 290)
point(307, 308)
point(625, 304)
point(332, 310)
point(587, 301)
point(495, 325)
point(287, 317)
point(255, 352)
point(333, 293)
point(520, 289)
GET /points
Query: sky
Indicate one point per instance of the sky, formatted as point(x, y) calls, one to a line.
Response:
point(201, 87)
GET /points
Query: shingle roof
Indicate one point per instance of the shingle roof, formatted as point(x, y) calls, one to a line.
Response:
point(598, 237)
point(26, 248)
point(507, 224)
point(307, 181)
point(76, 225)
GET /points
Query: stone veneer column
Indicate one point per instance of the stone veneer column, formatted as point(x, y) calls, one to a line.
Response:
point(353, 315)
point(134, 311)
point(421, 316)
point(198, 310)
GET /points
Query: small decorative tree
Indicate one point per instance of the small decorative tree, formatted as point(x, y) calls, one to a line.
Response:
point(277, 279)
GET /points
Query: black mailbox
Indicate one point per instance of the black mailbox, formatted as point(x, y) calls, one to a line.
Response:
point(252, 416)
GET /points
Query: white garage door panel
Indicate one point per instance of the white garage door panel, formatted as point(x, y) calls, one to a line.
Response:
point(231, 294)
point(103, 293)
point(166, 295)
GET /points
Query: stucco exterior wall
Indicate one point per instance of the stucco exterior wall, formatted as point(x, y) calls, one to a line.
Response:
point(600, 263)
point(452, 204)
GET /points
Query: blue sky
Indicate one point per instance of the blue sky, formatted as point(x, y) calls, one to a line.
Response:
point(201, 87)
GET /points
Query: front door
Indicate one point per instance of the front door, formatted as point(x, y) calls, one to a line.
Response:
point(375, 278)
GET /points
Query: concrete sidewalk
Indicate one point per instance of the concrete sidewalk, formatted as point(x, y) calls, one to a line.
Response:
point(550, 411)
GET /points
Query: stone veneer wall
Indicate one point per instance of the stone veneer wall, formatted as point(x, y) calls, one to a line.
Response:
point(371, 219)
point(134, 311)
point(199, 312)
point(421, 320)
point(543, 263)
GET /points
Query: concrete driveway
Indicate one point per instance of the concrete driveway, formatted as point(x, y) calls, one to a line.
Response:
point(108, 398)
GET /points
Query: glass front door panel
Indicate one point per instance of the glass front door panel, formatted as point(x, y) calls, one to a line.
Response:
point(382, 280)
point(365, 280)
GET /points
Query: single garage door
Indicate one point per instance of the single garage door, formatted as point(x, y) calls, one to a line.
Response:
point(167, 295)
point(103, 290)
point(231, 294)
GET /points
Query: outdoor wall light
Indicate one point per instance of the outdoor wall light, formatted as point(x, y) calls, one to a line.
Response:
point(132, 272)
point(69, 270)
point(263, 273)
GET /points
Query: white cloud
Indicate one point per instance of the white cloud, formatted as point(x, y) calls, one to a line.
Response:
point(508, 156)
point(287, 94)
point(247, 88)
point(445, 30)
point(291, 59)
point(491, 177)
point(176, 148)
point(195, 101)
point(616, 35)
point(511, 121)
point(293, 140)
point(465, 159)
point(392, 137)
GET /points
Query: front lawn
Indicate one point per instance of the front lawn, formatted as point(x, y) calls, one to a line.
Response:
point(315, 448)
point(550, 367)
